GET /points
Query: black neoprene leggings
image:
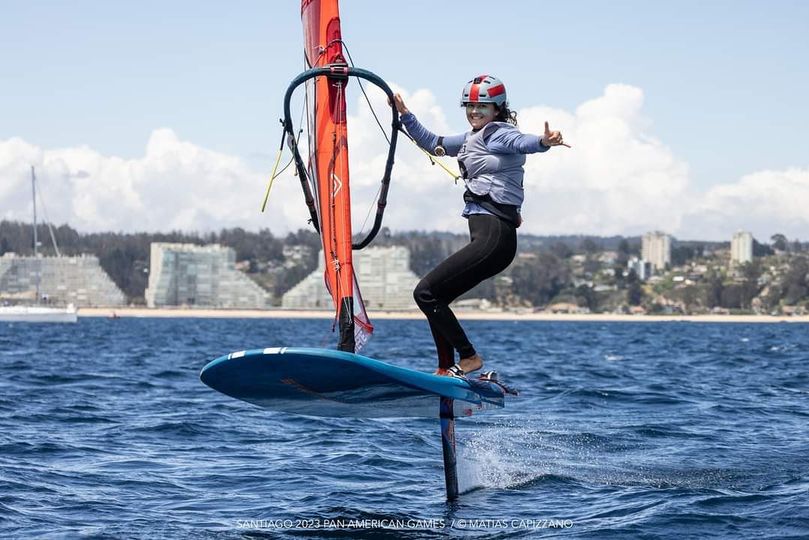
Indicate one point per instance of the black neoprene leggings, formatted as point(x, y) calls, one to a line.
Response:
point(492, 246)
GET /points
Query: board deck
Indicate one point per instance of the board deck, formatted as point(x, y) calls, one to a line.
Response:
point(322, 382)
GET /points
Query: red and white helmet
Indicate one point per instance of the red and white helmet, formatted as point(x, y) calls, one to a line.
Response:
point(484, 89)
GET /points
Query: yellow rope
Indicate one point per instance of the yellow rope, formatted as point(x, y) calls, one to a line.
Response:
point(455, 176)
point(272, 177)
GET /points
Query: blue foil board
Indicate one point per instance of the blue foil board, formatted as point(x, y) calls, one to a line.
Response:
point(322, 382)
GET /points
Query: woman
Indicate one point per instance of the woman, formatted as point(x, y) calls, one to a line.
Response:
point(491, 158)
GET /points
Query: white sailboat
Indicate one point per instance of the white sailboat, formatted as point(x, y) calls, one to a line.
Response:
point(38, 313)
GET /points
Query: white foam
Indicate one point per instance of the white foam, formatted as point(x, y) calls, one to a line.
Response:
point(495, 457)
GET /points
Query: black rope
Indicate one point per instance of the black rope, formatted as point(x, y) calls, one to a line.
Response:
point(373, 112)
point(367, 99)
point(344, 72)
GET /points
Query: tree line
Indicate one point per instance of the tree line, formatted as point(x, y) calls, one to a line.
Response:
point(125, 256)
point(542, 273)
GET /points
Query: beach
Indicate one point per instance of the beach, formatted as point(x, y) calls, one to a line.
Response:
point(144, 312)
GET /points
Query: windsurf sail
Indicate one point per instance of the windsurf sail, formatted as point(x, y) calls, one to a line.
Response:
point(325, 178)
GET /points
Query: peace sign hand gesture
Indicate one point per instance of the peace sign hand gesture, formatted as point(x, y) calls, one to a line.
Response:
point(553, 138)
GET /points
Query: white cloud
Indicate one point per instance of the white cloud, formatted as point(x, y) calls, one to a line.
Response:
point(175, 185)
point(617, 179)
point(765, 202)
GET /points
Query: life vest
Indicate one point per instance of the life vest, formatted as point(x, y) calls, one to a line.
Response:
point(494, 181)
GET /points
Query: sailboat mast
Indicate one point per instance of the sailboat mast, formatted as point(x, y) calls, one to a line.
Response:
point(34, 200)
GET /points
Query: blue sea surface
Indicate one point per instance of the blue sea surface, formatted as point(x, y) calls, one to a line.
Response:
point(623, 430)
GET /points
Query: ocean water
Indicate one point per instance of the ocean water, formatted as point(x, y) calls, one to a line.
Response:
point(623, 430)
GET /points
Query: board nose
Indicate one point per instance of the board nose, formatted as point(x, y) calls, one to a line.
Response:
point(208, 374)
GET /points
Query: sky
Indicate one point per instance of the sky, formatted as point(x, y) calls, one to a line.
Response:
point(686, 117)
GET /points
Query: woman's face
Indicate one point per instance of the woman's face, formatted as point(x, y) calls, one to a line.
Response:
point(479, 114)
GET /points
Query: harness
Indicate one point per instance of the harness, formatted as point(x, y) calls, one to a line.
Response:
point(506, 212)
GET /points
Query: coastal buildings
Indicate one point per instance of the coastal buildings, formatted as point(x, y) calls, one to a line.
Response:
point(643, 269)
point(296, 254)
point(383, 273)
point(62, 280)
point(200, 276)
point(741, 248)
point(656, 249)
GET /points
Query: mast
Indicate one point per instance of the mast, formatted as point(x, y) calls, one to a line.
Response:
point(446, 414)
point(36, 257)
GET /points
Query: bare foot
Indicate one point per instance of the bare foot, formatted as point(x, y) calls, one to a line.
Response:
point(471, 363)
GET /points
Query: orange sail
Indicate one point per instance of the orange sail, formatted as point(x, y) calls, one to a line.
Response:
point(328, 167)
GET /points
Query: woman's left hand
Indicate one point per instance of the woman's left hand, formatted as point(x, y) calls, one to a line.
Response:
point(400, 104)
point(553, 138)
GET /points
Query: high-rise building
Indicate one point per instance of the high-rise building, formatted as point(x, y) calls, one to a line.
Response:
point(62, 280)
point(656, 249)
point(200, 276)
point(741, 248)
point(384, 276)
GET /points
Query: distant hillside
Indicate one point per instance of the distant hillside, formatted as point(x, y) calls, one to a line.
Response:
point(584, 271)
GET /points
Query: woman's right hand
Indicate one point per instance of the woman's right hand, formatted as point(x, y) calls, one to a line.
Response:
point(400, 104)
point(553, 138)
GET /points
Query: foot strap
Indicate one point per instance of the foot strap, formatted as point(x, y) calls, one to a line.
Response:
point(456, 371)
point(489, 376)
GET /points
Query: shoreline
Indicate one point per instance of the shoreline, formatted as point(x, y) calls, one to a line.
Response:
point(130, 312)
